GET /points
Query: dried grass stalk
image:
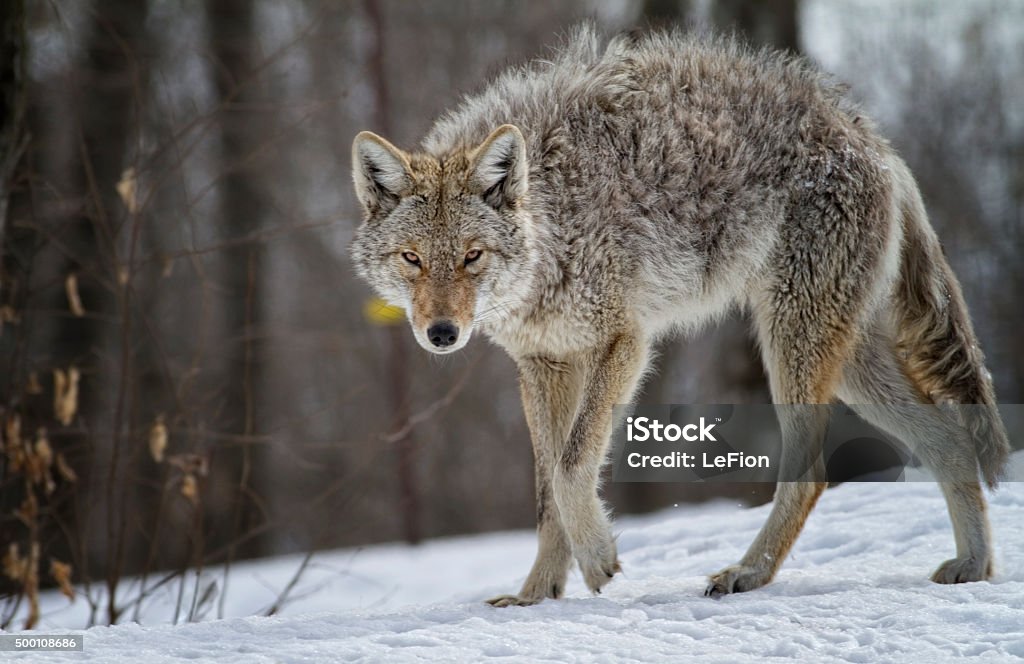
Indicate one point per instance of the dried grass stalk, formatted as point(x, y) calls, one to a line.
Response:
point(65, 394)
point(66, 472)
point(61, 574)
point(158, 439)
point(190, 488)
point(127, 189)
point(74, 298)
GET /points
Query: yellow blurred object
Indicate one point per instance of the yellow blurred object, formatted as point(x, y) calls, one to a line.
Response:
point(380, 312)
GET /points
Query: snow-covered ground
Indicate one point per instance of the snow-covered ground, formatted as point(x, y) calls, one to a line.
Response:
point(855, 588)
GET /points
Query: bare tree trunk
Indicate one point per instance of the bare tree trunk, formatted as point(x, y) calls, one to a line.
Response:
point(409, 495)
point(244, 204)
point(12, 143)
point(12, 106)
point(109, 104)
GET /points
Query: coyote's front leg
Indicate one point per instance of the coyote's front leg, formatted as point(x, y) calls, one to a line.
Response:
point(568, 404)
point(611, 375)
point(551, 393)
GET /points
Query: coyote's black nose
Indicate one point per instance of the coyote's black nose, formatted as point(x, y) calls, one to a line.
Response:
point(443, 333)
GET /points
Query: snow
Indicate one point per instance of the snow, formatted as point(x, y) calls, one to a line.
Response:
point(854, 589)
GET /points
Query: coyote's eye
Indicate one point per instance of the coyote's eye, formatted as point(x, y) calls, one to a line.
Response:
point(472, 255)
point(410, 257)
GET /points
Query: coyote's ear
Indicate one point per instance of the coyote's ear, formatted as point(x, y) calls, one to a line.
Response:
point(499, 168)
point(380, 172)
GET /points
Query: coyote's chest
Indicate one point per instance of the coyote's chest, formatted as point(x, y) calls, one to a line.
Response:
point(556, 330)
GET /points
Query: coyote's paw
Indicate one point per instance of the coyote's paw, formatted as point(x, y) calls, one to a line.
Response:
point(514, 600)
point(599, 563)
point(736, 579)
point(962, 570)
point(534, 591)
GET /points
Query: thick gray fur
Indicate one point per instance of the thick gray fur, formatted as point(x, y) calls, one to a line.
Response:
point(619, 193)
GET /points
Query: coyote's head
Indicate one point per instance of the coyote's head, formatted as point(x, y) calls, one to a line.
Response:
point(447, 238)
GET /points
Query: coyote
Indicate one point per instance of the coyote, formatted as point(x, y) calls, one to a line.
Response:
point(581, 208)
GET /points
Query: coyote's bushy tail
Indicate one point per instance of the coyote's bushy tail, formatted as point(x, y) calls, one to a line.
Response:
point(936, 337)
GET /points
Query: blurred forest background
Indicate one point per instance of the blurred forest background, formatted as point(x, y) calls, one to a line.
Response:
point(188, 375)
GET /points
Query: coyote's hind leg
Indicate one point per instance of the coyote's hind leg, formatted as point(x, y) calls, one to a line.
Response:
point(875, 384)
point(803, 351)
point(803, 431)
